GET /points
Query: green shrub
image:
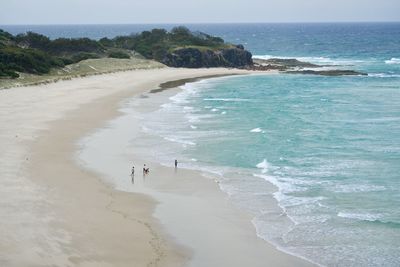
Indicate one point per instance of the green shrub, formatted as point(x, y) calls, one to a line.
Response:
point(27, 60)
point(66, 61)
point(7, 73)
point(35, 53)
point(5, 36)
point(83, 56)
point(156, 43)
point(107, 42)
point(33, 40)
point(118, 54)
point(67, 46)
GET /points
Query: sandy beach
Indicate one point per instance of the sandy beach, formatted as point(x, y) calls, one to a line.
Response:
point(56, 212)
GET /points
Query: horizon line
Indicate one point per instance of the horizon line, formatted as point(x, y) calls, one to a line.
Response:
point(194, 23)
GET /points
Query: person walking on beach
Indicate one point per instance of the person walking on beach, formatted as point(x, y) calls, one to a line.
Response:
point(133, 174)
point(176, 163)
point(145, 169)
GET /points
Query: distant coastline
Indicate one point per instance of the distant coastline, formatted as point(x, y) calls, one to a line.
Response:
point(45, 60)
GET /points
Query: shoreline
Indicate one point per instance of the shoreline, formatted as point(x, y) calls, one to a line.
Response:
point(172, 187)
point(69, 215)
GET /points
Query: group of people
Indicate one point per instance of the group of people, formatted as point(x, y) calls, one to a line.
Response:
point(146, 170)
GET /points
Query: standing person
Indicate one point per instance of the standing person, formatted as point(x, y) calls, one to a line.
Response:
point(176, 163)
point(133, 174)
point(145, 169)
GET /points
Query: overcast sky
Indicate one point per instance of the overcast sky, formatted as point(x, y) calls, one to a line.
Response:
point(194, 11)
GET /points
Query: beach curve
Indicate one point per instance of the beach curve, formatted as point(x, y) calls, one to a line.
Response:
point(59, 213)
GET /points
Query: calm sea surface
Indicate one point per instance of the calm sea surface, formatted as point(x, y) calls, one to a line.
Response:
point(330, 145)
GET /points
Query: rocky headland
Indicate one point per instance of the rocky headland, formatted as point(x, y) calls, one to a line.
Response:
point(192, 57)
point(26, 56)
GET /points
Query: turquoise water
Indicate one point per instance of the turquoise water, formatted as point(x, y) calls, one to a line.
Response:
point(329, 145)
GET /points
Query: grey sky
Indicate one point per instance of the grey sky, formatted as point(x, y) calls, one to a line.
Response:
point(194, 11)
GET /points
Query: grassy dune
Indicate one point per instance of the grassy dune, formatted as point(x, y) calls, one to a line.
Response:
point(81, 69)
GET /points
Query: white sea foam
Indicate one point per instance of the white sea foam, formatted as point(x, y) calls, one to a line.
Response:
point(290, 201)
point(228, 99)
point(264, 165)
point(286, 186)
point(315, 60)
point(393, 61)
point(193, 127)
point(256, 130)
point(383, 75)
point(180, 98)
point(189, 89)
point(176, 140)
point(360, 216)
point(272, 180)
point(354, 188)
point(197, 118)
point(279, 195)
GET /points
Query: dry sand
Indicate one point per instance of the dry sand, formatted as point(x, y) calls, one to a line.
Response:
point(55, 213)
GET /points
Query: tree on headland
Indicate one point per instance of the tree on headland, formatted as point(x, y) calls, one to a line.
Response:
point(37, 54)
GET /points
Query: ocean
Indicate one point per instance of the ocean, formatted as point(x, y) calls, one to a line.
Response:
point(326, 150)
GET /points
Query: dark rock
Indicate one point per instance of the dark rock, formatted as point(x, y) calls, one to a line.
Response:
point(206, 58)
point(236, 57)
point(285, 62)
point(266, 67)
point(294, 66)
point(328, 72)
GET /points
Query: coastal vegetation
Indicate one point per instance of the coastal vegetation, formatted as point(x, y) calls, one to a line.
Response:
point(34, 53)
point(30, 53)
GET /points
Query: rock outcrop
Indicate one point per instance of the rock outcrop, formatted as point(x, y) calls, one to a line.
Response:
point(329, 72)
point(192, 57)
point(294, 66)
point(283, 63)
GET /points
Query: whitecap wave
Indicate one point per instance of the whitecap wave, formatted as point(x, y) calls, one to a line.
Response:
point(188, 90)
point(383, 75)
point(176, 140)
point(356, 188)
point(227, 99)
point(360, 216)
point(393, 61)
point(194, 118)
point(256, 130)
point(264, 165)
point(315, 60)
